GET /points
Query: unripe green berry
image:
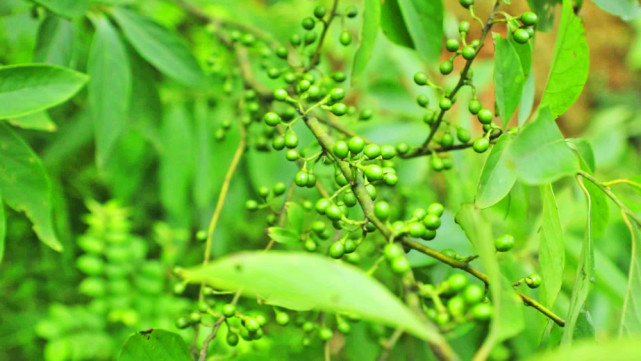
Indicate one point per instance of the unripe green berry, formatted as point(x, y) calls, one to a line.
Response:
point(373, 172)
point(229, 310)
point(325, 334)
point(435, 209)
point(337, 94)
point(504, 243)
point(481, 145)
point(339, 76)
point(271, 119)
point(251, 205)
point(437, 163)
point(292, 155)
point(366, 114)
point(475, 106)
point(182, 322)
point(388, 151)
point(319, 12)
point(457, 282)
point(432, 221)
point(529, 18)
point(345, 38)
point(445, 103)
point(446, 67)
point(485, 116)
point(308, 23)
point(463, 135)
point(420, 78)
point(333, 212)
point(340, 149)
point(339, 109)
point(452, 45)
point(232, 339)
point(466, 3)
point(336, 250)
point(282, 52)
point(482, 311)
point(422, 100)
point(356, 145)
point(464, 27)
point(280, 94)
point(521, 36)
point(282, 318)
point(382, 210)
point(372, 151)
point(291, 140)
point(473, 294)
point(447, 140)
point(533, 280)
point(322, 205)
point(469, 52)
point(301, 179)
point(392, 251)
point(400, 265)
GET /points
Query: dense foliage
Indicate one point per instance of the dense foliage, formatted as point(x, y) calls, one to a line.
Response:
point(328, 180)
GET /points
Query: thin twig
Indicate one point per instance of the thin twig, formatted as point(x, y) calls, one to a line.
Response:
point(316, 57)
point(388, 346)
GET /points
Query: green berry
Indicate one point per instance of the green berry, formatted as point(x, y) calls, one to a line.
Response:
point(301, 179)
point(366, 114)
point(443, 318)
point(435, 209)
point(432, 221)
point(273, 73)
point(336, 250)
point(402, 148)
point(292, 155)
point(372, 151)
point(400, 265)
point(392, 251)
point(533, 280)
point(521, 36)
point(447, 140)
point(420, 78)
point(182, 322)
point(263, 192)
point(473, 294)
point(345, 38)
point(308, 23)
point(452, 45)
point(295, 39)
point(343, 327)
point(251, 205)
point(464, 27)
point(485, 116)
point(457, 282)
point(529, 18)
point(319, 12)
point(282, 52)
point(445, 103)
point(422, 100)
point(356, 145)
point(340, 149)
point(251, 324)
point(352, 12)
point(339, 76)
point(334, 212)
point(280, 94)
point(282, 318)
point(388, 152)
point(446, 67)
point(279, 188)
point(291, 140)
point(390, 179)
point(475, 106)
point(229, 310)
point(339, 109)
point(463, 135)
point(337, 94)
point(481, 145)
point(322, 205)
point(382, 210)
point(371, 190)
point(469, 52)
point(289, 77)
point(466, 3)
point(482, 311)
point(504, 243)
point(271, 119)
point(373, 172)
point(325, 334)
point(456, 306)
point(437, 163)
point(416, 229)
point(232, 339)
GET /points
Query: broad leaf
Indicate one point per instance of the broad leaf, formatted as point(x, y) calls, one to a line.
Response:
point(497, 179)
point(393, 24)
point(109, 88)
point(155, 345)
point(570, 65)
point(527, 100)
point(68, 8)
point(160, 47)
point(424, 21)
point(626, 9)
point(303, 281)
point(552, 247)
point(367, 39)
point(26, 89)
point(507, 317)
point(3, 228)
point(508, 78)
point(539, 154)
point(25, 186)
point(584, 275)
point(36, 121)
point(613, 349)
point(283, 235)
point(295, 216)
point(631, 314)
point(55, 41)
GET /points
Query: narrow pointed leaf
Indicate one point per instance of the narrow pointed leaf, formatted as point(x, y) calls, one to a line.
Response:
point(508, 77)
point(497, 179)
point(552, 247)
point(367, 38)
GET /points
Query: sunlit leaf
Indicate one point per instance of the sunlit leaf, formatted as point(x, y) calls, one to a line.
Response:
point(552, 247)
point(155, 345)
point(508, 78)
point(367, 39)
point(497, 179)
point(283, 235)
point(613, 349)
point(424, 21)
point(36, 121)
point(393, 24)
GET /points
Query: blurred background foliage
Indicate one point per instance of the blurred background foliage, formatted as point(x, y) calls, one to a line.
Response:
point(125, 225)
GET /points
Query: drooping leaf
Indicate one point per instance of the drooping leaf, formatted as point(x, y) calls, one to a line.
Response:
point(304, 281)
point(160, 47)
point(155, 345)
point(625, 9)
point(283, 235)
point(68, 8)
point(570, 65)
point(393, 24)
point(508, 78)
point(25, 186)
point(497, 179)
point(424, 21)
point(585, 153)
point(367, 38)
point(539, 154)
point(507, 317)
point(631, 314)
point(36, 121)
point(626, 349)
point(583, 280)
point(552, 247)
point(30, 88)
point(109, 88)
point(55, 41)
point(3, 228)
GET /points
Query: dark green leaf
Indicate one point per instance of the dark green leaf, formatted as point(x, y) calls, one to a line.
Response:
point(109, 89)
point(539, 154)
point(496, 178)
point(283, 235)
point(570, 65)
point(30, 88)
point(25, 186)
point(424, 21)
point(393, 24)
point(508, 78)
point(552, 247)
point(626, 9)
point(68, 8)
point(631, 314)
point(367, 39)
point(160, 47)
point(155, 345)
point(55, 41)
point(304, 281)
point(545, 10)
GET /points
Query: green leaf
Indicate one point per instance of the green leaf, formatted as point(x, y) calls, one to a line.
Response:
point(54, 44)
point(303, 281)
point(507, 317)
point(524, 51)
point(36, 121)
point(584, 275)
point(283, 235)
point(552, 247)
point(612, 349)
point(527, 100)
point(631, 314)
point(369, 32)
point(30, 88)
point(625, 9)
point(68, 8)
point(25, 186)
point(570, 65)
point(539, 154)
point(155, 345)
point(295, 216)
point(3, 228)
point(424, 20)
point(109, 89)
point(583, 149)
point(497, 179)
point(508, 78)
point(545, 10)
point(393, 24)
point(160, 47)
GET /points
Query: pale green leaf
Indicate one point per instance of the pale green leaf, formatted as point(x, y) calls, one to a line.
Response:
point(507, 317)
point(109, 88)
point(626, 9)
point(304, 281)
point(25, 186)
point(295, 216)
point(367, 39)
point(424, 21)
point(527, 100)
point(613, 349)
point(160, 47)
point(283, 235)
point(552, 247)
point(496, 178)
point(30, 88)
point(155, 345)
point(36, 121)
point(55, 41)
point(539, 154)
point(68, 8)
point(631, 314)
point(393, 24)
point(570, 65)
point(508, 78)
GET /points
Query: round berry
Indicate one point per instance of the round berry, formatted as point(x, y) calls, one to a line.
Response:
point(504, 243)
point(533, 280)
point(282, 318)
point(420, 78)
point(334, 212)
point(339, 109)
point(388, 152)
point(337, 94)
point(521, 36)
point(372, 151)
point(232, 339)
point(466, 3)
point(301, 179)
point(251, 205)
point(366, 114)
point(447, 140)
point(482, 311)
point(456, 306)
point(345, 38)
point(457, 282)
point(325, 334)
point(422, 100)
point(382, 210)
point(352, 12)
point(336, 250)
point(229, 310)
point(291, 140)
point(356, 145)
point(445, 103)
point(273, 73)
point(339, 76)
point(319, 12)
point(452, 45)
point(463, 135)
point(435, 209)
point(464, 27)
point(392, 251)
point(295, 39)
point(446, 67)
point(432, 221)
point(529, 18)
point(340, 149)
point(251, 324)
point(282, 52)
point(322, 205)
point(292, 155)
point(437, 163)
point(475, 106)
point(469, 52)
point(481, 145)
point(390, 179)
point(308, 23)
point(373, 172)
point(485, 116)
point(182, 322)
point(271, 119)
point(280, 94)
point(416, 229)
point(473, 294)
point(279, 188)
point(400, 265)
